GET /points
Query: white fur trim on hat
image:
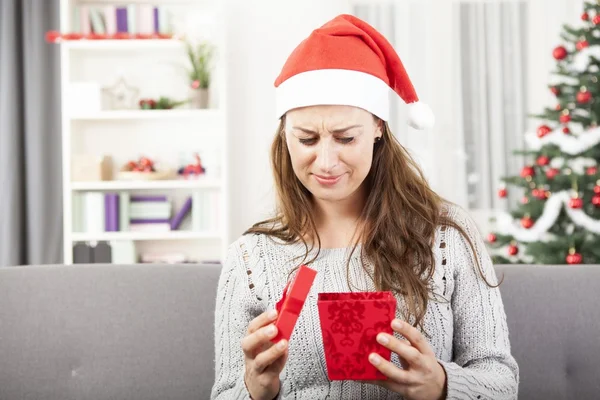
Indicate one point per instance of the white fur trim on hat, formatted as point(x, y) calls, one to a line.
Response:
point(420, 116)
point(334, 87)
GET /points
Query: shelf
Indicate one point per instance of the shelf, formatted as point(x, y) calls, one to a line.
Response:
point(123, 44)
point(119, 115)
point(202, 183)
point(140, 236)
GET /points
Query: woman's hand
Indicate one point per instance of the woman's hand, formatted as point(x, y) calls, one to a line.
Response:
point(422, 377)
point(264, 359)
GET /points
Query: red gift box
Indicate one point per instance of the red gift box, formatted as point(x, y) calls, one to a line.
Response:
point(350, 323)
point(292, 301)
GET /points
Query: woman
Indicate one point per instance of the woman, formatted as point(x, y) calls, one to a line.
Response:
point(355, 207)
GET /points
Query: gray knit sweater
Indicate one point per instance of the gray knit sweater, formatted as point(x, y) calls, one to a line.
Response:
point(468, 333)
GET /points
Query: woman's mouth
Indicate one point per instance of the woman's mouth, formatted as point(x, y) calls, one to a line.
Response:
point(327, 180)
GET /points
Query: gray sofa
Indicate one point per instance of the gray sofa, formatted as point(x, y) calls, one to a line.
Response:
point(146, 331)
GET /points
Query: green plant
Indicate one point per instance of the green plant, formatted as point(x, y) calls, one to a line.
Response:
point(200, 57)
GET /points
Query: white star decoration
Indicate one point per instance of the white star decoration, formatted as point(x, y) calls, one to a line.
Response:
point(121, 96)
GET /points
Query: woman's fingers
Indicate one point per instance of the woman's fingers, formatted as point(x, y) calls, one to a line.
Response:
point(264, 359)
point(262, 320)
point(404, 350)
point(254, 341)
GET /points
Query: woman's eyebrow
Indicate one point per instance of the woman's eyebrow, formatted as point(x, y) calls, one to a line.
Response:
point(339, 130)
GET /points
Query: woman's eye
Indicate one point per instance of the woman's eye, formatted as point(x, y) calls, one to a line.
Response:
point(346, 140)
point(308, 142)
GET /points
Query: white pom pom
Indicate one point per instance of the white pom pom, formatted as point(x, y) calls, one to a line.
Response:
point(420, 116)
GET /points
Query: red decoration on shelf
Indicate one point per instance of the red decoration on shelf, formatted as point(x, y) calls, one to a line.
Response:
point(576, 203)
point(57, 37)
point(502, 193)
point(527, 171)
point(565, 118)
point(585, 16)
point(513, 250)
point(195, 168)
point(543, 131)
point(144, 164)
point(526, 222)
point(559, 53)
point(555, 90)
point(492, 238)
point(584, 97)
point(566, 130)
point(552, 172)
point(574, 257)
point(596, 20)
point(543, 160)
point(596, 200)
point(582, 44)
point(592, 170)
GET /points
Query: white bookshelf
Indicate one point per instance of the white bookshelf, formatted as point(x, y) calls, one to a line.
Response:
point(201, 183)
point(155, 67)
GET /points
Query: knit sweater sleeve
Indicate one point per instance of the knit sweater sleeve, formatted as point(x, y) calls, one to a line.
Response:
point(240, 298)
point(482, 367)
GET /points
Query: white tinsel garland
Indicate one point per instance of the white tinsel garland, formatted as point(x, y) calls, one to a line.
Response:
point(506, 225)
point(582, 59)
point(569, 144)
point(578, 165)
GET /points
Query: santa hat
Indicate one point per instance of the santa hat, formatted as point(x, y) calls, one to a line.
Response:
point(348, 62)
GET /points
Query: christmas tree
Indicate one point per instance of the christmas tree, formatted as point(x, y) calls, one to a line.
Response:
point(558, 218)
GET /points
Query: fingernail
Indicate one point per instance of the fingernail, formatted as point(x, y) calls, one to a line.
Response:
point(381, 338)
point(271, 330)
point(396, 324)
point(281, 345)
point(374, 358)
point(272, 314)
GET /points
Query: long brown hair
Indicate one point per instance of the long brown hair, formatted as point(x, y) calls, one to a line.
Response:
point(400, 247)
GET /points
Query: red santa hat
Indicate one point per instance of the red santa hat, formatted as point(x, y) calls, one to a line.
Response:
point(348, 62)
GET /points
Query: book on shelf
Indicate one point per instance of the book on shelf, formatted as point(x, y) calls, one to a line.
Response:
point(98, 212)
point(131, 18)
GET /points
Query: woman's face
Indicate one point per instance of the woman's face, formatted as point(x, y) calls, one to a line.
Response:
point(331, 148)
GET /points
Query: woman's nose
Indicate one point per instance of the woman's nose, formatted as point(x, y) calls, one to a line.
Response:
point(327, 157)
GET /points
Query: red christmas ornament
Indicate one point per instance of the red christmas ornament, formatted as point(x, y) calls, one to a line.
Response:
point(543, 131)
point(585, 16)
point(573, 257)
point(492, 238)
point(527, 171)
point(576, 203)
point(555, 90)
point(582, 44)
point(525, 200)
point(543, 160)
point(596, 20)
point(559, 53)
point(592, 170)
point(526, 222)
point(552, 172)
point(513, 250)
point(539, 194)
point(583, 97)
point(596, 200)
point(558, 107)
point(565, 118)
point(566, 130)
point(597, 189)
point(502, 193)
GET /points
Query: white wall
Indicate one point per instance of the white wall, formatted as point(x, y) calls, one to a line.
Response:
point(260, 36)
